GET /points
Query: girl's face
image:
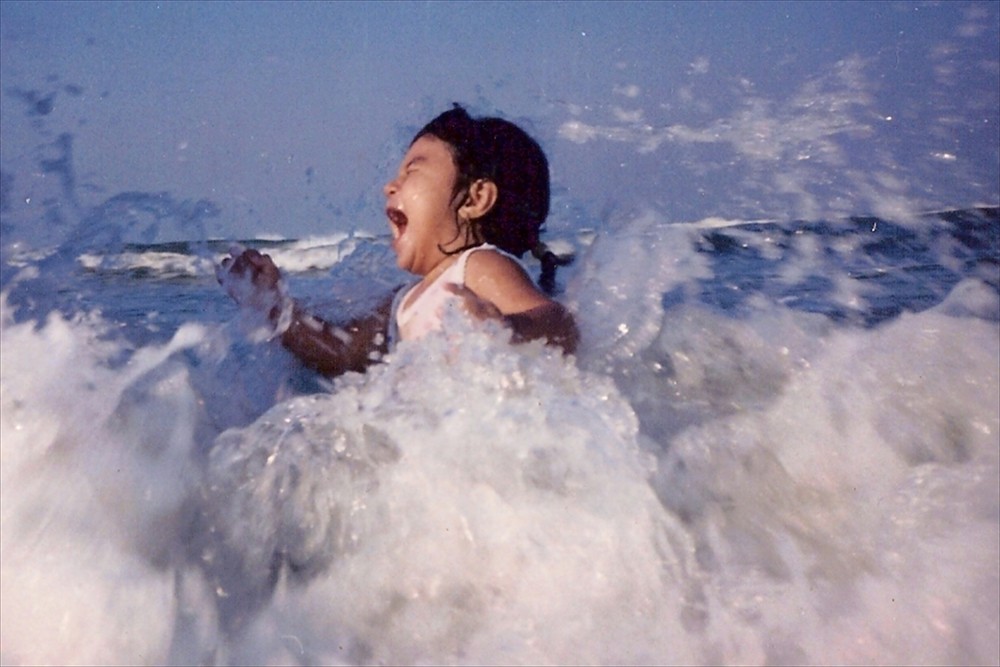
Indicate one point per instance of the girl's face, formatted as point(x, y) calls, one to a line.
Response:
point(422, 212)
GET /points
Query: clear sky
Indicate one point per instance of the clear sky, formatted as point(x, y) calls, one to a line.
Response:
point(289, 116)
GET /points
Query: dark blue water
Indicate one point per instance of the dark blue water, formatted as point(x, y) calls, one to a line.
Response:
point(896, 268)
point(149, 290)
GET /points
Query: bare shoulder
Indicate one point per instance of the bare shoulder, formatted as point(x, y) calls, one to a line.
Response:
point(502, 280)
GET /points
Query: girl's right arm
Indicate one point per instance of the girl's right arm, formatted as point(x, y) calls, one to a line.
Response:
point(254, 282)
point(497, 286)
point(331, 349)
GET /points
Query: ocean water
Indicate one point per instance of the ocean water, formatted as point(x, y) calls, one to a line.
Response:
point(778, 443)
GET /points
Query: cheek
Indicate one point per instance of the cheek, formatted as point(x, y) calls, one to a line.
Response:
point(414, 205)
point(429, 198)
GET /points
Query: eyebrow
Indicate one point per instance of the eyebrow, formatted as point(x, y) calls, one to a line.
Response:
point(415, 160)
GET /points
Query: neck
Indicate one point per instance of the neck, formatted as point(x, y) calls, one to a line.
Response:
point(439, 268)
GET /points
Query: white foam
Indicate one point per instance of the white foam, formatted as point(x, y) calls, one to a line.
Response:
point(470, 508)
point(692, 488)
point(618, 303)
point(163, 264)
point(88, 497)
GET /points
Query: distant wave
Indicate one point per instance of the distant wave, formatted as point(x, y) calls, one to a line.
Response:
point(197, 259)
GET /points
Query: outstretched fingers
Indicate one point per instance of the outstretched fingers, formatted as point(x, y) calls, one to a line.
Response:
point(251, 279)
point(246, 263)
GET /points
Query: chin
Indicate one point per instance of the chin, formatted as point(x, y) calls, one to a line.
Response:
point(403, 264)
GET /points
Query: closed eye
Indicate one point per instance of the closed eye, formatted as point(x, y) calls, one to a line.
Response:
point(414, 163)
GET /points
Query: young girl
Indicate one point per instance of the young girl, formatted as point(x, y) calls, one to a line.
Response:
point(469, 197)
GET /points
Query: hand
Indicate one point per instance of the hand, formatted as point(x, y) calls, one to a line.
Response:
point(478, 307)
point(252, 280)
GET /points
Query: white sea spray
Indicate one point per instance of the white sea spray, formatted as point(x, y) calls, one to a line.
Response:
point(86, 498)
point(764, 489)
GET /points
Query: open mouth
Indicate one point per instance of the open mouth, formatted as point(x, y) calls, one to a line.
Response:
point(397, 221)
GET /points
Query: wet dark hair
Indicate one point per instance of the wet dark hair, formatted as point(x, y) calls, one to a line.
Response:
point(497, 150)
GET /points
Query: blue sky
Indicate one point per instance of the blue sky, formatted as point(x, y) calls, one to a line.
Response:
point(290, 116)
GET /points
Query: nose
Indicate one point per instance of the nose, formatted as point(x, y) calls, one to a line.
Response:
point(389, 188)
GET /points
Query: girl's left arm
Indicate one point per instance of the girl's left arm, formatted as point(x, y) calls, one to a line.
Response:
point(254, 282)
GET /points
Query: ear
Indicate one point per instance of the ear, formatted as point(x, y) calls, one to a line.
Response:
point(480, 199)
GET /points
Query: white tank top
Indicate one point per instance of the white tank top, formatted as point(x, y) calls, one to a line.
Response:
point(419, 316)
